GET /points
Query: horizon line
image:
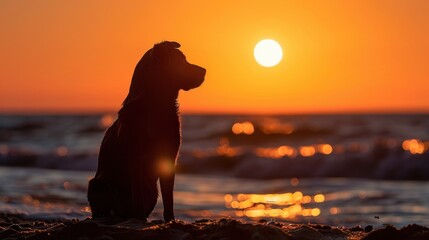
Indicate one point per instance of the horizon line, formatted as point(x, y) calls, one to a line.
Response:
point(193, 112)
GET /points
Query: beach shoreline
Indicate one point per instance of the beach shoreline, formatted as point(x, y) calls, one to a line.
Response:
point(18, 227)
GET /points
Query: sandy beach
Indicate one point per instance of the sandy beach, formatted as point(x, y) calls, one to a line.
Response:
point(18, 227)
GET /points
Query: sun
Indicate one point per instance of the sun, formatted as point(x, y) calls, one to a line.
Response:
point(268, 53)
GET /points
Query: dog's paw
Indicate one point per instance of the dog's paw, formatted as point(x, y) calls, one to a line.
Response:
point(159, 221)
point(169, 217)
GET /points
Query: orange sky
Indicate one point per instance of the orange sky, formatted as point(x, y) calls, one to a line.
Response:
point(339, 56)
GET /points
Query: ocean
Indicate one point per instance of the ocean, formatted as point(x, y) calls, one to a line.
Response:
point(334, 169)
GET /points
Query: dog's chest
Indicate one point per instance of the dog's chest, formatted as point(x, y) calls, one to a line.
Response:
point(159, 126)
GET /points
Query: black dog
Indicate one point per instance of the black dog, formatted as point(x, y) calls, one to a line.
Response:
point(142, 145)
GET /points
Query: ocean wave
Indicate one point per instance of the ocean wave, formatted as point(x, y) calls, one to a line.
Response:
point(264, 147)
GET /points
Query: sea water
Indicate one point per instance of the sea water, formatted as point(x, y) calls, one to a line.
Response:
point(54, 194)
point(333, 169)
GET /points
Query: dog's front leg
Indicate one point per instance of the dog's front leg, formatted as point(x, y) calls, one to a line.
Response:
point(167, 186)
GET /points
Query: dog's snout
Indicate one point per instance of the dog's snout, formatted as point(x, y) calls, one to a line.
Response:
point(200, 71)
point(203, 70)
point(195, 77)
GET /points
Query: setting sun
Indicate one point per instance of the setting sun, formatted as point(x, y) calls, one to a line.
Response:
point(268, 53)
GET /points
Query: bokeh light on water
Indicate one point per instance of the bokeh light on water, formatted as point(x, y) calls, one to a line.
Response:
point(415, 146)
point(283, 205)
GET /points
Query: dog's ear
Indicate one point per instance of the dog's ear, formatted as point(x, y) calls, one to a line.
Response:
point(161, 50)
point(174, 44)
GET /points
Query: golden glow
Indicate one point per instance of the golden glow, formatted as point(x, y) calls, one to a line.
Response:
point(307, 151)
point(334, 211)
point(415, 146)
point(294, 182)
point(241, 197)
point(288, 151)
point(243, 128)
point(107, 120)
point(274, 126)
point(325, 149)
point(268, 153)
point(268, 53)
point(315, 212)
point(234, 204)
point(228, 198)
point(297, 196)
point(86, 209)
point(306, 199)
point(239, 213)
point(283, 205)
point(226, 150)
point(165, 166)
point(319, 198)
point(285, 151)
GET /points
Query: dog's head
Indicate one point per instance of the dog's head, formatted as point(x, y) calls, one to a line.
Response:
point(180, 73)
point(162, 72)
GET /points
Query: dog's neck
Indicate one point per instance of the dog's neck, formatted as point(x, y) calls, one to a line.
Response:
point(148, 106)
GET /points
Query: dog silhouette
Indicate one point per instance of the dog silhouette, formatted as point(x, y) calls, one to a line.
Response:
point(141, 147)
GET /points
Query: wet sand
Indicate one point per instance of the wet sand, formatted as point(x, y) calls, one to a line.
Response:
point(18, 227)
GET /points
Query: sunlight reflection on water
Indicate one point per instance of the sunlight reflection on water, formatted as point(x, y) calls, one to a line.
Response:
point(62, 194)
point(285, 205)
